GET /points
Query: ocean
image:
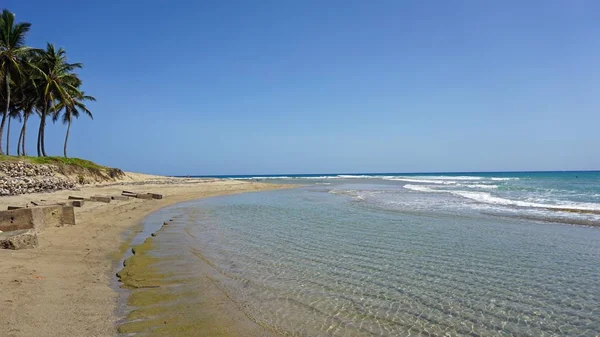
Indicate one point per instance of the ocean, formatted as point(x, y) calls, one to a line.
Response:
point(457, 254)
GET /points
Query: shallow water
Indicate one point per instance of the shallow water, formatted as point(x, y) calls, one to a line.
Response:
point(366, 258)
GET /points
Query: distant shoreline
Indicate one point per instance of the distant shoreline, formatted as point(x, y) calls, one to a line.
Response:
point(275, 175)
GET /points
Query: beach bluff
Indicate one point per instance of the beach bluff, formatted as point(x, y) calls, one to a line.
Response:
point(21, 177)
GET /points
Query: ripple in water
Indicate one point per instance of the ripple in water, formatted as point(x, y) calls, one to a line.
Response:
point(311, 263)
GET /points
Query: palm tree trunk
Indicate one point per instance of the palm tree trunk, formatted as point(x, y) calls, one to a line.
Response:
point(24, 133)
point(43, 143)
point(43, 126)
point(8, 137)
point(19, 142)
point(41, 152)
point(6, 79)
point(67, 138)
point(2, 131)
point(40, 132)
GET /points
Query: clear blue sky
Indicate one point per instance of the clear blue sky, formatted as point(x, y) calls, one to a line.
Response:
point(248, 87)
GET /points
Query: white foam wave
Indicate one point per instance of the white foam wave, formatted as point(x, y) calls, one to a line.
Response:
point(425, 181)
point(283, 178)
point(487, 198)
point(420, 188)
point(442, 180)
point(478, 186)
point(259, 178)
point(357, 195)
point(449, 177)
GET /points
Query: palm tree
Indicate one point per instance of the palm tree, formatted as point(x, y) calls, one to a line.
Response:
point(27, 105)
point(13, 113)
point(12, 52)
point(72, 109)
point(54, 77)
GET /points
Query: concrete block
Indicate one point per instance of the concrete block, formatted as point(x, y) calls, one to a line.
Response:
point(37, 218)
point(16, 219)
point(77, 203)
point(10, 208)
point(68, 215)
point(145, 196)
point(100, 199)
point(46, 216)
point(156, 196)
point(119, 197)
point(76, 198)
point(21, 239)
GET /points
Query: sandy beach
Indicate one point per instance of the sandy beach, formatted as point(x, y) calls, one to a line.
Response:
point(65, 286)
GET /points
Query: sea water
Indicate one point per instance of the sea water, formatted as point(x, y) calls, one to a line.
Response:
point(408, 255)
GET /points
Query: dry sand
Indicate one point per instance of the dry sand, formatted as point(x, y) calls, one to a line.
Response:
point(65, 287)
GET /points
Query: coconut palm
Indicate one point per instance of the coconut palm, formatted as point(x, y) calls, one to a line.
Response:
point(13, 113)
point(71, 110)
point(55, 79)
point(12, 52)
point(27, 106)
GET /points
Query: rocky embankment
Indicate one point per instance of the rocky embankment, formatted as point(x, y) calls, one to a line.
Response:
point(22, 177)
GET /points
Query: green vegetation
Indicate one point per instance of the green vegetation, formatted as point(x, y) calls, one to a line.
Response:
point(59, 161)
point(39, 81)
point(68, 161)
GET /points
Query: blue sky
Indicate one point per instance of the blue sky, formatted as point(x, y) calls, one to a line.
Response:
point(248, 87)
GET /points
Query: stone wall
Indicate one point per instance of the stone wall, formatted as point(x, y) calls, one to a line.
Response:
point(21, 177)
point(23, 169)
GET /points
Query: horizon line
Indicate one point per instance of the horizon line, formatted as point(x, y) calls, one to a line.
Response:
point(378, 173)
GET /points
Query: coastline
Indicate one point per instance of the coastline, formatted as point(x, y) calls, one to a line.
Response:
point(64, 287)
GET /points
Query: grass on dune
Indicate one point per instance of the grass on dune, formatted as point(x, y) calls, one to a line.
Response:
point(56, 161)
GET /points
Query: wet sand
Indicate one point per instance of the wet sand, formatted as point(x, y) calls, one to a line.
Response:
point(65, 287)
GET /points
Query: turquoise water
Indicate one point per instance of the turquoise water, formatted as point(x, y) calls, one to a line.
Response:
point(408, 255)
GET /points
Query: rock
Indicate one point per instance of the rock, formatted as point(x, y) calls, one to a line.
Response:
point(21, 177)
point(21, 239)
point(20, 169)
